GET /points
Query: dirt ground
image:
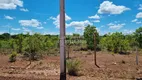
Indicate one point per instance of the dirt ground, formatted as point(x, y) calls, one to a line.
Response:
point(112, 67)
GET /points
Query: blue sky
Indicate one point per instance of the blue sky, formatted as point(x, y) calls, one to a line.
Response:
point(22, 16)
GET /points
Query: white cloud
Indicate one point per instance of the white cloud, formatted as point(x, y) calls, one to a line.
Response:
point(16, 29)
point(98, 29)
point(57, 20)
point(94, 17)
point(26, 30)
point(8, 17)
point(79, 25)
point(10, 4)
point(69, 33)
point(51, 33)
point(25, 10)
point(140, 8)
point(77, 29)
point(139, 15)
point(102, 26)
point(14, 33)
point(39, 27)
point(110, 8)
point(139, 22)
point(30, 23)
point(116, 26)
point(96, 21)
point(1, 32)
point(135, 20)
point(126, 31)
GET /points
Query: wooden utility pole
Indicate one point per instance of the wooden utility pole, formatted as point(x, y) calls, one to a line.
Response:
point(95, 44)
point(62, 41)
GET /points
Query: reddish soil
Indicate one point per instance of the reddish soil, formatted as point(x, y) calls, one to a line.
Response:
point(112, 67)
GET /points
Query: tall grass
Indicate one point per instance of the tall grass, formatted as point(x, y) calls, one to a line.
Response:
point(73, 67)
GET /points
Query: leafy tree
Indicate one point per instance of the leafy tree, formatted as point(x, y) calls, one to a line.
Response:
point(5, 36)
point(76, 35)
point(89, 36)
point(115, 42)
point(131, 40)
point(32, 45)
point(12, 44)
point(19, 42)
point(138, 35)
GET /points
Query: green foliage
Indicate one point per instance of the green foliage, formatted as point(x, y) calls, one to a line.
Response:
point(35, 45)
point(76, 35)
point(89, 36)
point(115, 42)
point(138, 35)
point(5, 36)
point(73, 67)
point(132, 41)
point(4, 44)
point(32, 45)
point(19, 42)
point(13, 45)
point(12, 57)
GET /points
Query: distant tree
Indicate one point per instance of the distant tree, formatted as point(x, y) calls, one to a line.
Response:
point(115, 42)
point(5, 36)
point(19, 42)
point(76, 35)
point(132, 40)
point(138, 35)
point(89, 36)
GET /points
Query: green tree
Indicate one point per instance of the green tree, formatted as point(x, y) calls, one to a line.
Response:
point(32, 45)
point(19, 42)
point(12, 44)
point(138, 35)
point(5, 36)
point(89, 36)
point(115, 42)
point(131, 40)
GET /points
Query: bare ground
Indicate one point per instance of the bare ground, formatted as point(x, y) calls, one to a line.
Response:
point(112, 67)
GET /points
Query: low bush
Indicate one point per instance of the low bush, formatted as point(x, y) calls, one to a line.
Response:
point(73, 67)
point(12, 57)
point(123, 62)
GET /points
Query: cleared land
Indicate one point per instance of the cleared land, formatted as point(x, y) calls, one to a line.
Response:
point(113, 67)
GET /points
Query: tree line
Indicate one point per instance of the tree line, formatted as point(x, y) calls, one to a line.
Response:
point(38, 44)
point(116, 42)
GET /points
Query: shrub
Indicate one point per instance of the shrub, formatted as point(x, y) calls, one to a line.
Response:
point(73, 67)
point(12, 57)
point(123, 62)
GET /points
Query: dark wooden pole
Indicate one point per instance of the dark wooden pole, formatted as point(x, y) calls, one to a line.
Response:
point(95, 44)
point(137, 55)
point(62, 41)
point(69, 51)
